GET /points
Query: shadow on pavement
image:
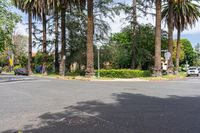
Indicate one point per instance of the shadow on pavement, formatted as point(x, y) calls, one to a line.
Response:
point(133, 113)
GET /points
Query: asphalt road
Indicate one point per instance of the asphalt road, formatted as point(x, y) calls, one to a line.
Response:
point(37, 105)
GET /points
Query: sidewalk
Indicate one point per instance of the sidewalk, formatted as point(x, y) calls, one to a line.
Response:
point(11, 78)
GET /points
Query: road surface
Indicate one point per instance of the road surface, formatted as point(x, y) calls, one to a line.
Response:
point(39, 105)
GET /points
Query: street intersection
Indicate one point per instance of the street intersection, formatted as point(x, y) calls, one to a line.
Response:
point(42, 105)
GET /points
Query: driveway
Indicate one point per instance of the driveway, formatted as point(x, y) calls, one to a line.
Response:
point(44, 105)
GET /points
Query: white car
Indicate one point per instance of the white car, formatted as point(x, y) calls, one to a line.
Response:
point(193, 71)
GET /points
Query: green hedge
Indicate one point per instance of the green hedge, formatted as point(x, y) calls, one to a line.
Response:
point(17, 67)
point(124, 73)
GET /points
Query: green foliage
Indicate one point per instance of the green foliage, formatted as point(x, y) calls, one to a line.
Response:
point(6, 68)
point(190, 55)
point(39, 59)
point(187, 53)
point(16, 67)
point(124, 73)
point(8, 22)
point(118, 51)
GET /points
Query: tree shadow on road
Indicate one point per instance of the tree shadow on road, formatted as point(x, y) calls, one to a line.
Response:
point(133, 113)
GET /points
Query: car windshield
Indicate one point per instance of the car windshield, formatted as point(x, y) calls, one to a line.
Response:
point(192, 68)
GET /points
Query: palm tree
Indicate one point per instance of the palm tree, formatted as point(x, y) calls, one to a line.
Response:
point(134, 24)
point(185, 14)
point(20, 4)
point(56, 23)
point(41, 8)
point(30, 43)
point(170, 35)
point(90, 32)
point(44, 43)
point(63, 38)
point(157, 65)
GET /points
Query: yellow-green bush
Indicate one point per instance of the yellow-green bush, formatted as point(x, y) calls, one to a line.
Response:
point(124, 73)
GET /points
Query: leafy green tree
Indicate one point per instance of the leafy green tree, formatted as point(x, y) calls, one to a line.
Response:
point(8, 22)
point(119, 50)
point(190, 55)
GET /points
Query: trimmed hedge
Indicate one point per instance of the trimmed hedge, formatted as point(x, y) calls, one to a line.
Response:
point(124, 73)
point(17, 67)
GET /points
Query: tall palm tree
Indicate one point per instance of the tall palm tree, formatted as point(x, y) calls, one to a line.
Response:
point(90, 32)
point(41, 8)
point(56, 25)
point(185, 14)
point(63, 42)
point(134, 24)
point(44, 43)
point(157, 65)
point(20, 4)
point(30, 43)
point(170, 35)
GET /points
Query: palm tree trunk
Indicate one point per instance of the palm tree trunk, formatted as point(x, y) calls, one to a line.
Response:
point(44, 43)
point(63, 41)
point(56, 43)
point(178, 49)
point(170, 36)
point(30, 43)
point(90, 32)
point(134, 24)
point(157, 65)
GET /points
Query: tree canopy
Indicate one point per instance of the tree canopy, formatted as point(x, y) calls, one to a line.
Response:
point(8, 22)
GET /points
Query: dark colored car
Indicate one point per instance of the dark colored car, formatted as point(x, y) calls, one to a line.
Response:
point(21, 71)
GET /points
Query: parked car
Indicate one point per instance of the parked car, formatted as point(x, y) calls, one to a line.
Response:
point(199, 69)
point(193, 71)
point(21, 71)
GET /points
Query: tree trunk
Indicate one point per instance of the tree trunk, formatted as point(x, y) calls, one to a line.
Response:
point(63, 42)
point(30, 43)
point(90, 32)
point(134, 24)
point(56, 43)
point(170, 36)
point(44, 43)
point(178, 49)
point(157, 65)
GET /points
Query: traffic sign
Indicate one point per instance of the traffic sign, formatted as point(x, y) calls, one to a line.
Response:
point(167, 55)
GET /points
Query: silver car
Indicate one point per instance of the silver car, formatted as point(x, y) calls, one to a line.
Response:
point(193, 71)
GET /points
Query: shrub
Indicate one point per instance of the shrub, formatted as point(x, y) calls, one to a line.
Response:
point(16, 67)
point(124, 73)
point(77, 73)
point(6, 68)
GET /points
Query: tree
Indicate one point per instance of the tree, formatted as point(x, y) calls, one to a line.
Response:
point(120, 51)
point(170, 33)
point(90, 32)
point(41, 8)
point(56, 57)
point(186, 14)
point(190, 55)
point(157, 65)
point(134, 24)
point(7, 24)
point(30, 60)
point(63, 47)
point(19, 49)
